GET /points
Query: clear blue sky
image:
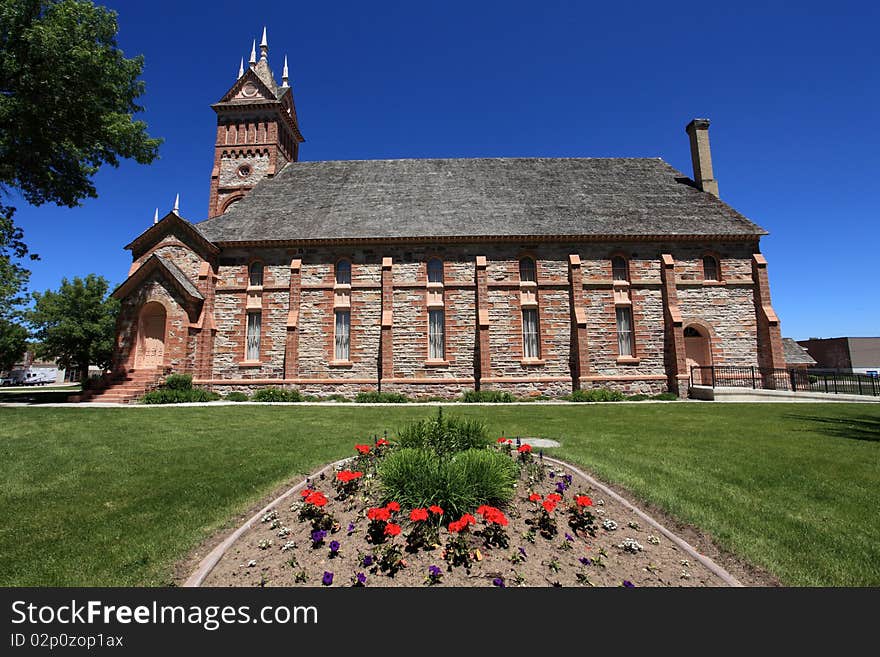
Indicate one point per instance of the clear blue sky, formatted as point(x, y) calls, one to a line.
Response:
point(792, 90)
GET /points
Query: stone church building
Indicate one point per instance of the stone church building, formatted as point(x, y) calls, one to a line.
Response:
point(431, 277)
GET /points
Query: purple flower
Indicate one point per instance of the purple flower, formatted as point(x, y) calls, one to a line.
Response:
point(518, 443)
point(368, 561)
point(327, 580)
point(522, 551)
point(627, 584)
point(318, 536)
point(541, 454)
point(434, 571)
point(499, 582)
point(560, 487)
point(361, 579)
point(585, 561)
point(350, 528)
point(552, 474)
point(567, 478)
point(334, 547)
point(568, 537)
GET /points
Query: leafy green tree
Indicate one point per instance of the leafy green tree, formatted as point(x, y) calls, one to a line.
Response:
point(76, 325)
point(13, 343)
point(67, 97)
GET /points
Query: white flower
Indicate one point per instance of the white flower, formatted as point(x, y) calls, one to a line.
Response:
point(251, 563)
point(630, 545)
point(288, 546)
point(653, 540)
point(609, 525)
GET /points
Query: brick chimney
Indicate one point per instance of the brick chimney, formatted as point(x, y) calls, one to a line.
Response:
point(698, 131)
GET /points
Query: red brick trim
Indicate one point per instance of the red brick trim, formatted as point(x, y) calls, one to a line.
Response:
point(291, 346)
point(527, 379)
point(386, 335)
point(627, 377)
point(674, 352)
point(770, 349)
point(578, 319)
point(483, 345)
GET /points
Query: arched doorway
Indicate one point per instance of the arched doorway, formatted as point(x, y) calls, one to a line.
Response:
point(151, 336)
point(698, 352)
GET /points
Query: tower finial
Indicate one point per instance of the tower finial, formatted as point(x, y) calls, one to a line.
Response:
point(156, 217)
point(264, 46)
point(253, 59)
point(241, 68)
point(176, 209)
point(284, 75)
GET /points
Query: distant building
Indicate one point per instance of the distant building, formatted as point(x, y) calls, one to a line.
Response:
point(796, 357)
point(847, 355)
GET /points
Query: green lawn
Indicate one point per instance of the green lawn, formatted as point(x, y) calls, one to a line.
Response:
point(117, 496)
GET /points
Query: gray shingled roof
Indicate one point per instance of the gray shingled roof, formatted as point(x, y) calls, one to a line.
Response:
point(476, 198)
point(795, 354)
point(179, 276)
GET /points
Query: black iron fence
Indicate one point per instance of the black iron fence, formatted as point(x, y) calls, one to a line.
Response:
point(729, 376)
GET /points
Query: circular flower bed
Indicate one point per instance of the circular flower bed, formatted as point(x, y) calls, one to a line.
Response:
point(556, 531)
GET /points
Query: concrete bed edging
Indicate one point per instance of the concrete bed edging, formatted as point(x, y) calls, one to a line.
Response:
point(207, 564)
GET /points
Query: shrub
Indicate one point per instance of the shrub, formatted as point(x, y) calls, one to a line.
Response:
point(335, 397)
point(236, 396)
point(174, 396)
point(487, 397)
point(417, 478)
point(381, 398)
point(595, 395)
point(666, 396)
point(276, 395)
point(638, 397)
point(444, 435)
point(179, 382)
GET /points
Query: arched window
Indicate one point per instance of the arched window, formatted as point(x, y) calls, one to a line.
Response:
point(527, 271)
point(619, 269)
point(343, 272)
point(255, 274)
point(691, 332)
point(710, 268)
point(435, 270)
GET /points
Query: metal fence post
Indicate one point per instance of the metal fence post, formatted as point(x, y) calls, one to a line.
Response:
point(753, 377)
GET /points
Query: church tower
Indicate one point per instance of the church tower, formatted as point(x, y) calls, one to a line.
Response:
point(257, 131)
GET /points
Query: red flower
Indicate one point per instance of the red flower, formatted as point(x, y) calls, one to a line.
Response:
point(347, 475)
point(381, 442)
point(392, 506)
point(482, 509)
point(583, 500)
point(379, 513)
point(555, 498)
point(391, 529)
point(549, 506)
point(468, 519)
point(501, 440)
point(305, 492)
point(491, 514)
point(524, 449)
point(363, 449)
point(457, 526)
point(418, 514)
point(435, 509)
point(317, 498)
point(534, 497)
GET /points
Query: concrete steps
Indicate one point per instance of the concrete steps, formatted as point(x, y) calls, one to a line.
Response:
point(126, 390)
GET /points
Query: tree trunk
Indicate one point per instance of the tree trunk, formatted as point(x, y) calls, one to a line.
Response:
point(84, 373)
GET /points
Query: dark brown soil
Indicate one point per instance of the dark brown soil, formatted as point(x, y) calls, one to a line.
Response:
point(257, 558)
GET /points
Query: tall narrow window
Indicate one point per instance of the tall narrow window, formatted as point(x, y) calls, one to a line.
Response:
point(619, 270)
point(530, 333)
point(343, 335)
point(435, 270)
point(710, 268)
point(436, 334)
point(343, 272)
point(527, 272)
point(253, 336)
point(624, 331)
point(255, 276)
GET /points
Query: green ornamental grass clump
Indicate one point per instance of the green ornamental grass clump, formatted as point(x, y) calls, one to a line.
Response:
point(236, 396)
point(380, 398)
point(179, 382)
point(445, 435)
point(487, 397)
point(173, 396)
point(596, 395)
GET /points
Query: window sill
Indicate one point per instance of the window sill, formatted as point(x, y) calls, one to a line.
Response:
point(436, 363)
point(254, 288)
point(533, 361)
point(714, 283)
point(628, 360)
point(341, 363)
point(249, 363)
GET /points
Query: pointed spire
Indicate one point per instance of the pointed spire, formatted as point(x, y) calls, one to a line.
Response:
point(241, 68)
point(156, 217)
point(284, 75)
point(264, 46)
point(253, 59)
point(176, 209)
